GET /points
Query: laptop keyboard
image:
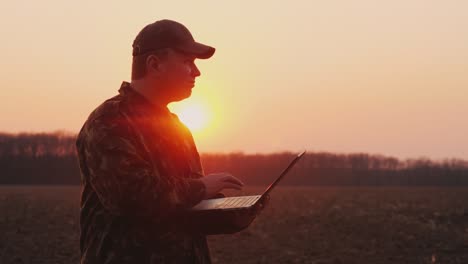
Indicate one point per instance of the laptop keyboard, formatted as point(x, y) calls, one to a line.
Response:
point(235, 202)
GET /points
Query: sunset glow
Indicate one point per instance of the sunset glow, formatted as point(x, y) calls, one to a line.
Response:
point(194, 115)
point(384, 77)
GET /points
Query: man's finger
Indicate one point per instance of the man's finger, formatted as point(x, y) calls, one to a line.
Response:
point(233, 179)
point(229, 185)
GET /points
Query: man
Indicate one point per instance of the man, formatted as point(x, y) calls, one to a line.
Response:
point(140, 167)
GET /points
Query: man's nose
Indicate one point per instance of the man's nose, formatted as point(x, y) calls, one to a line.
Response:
point(195, 71)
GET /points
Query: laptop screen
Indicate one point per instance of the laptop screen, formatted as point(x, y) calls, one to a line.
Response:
point(293, 162)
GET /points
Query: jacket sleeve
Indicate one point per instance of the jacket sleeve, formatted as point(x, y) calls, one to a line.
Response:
point(125, 180)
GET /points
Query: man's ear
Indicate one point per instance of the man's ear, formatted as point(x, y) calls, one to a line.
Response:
point(153, 64)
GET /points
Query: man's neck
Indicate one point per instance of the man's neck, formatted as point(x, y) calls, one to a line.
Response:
point(149, 91)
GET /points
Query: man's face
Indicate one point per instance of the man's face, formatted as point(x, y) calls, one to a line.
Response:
point(177, 73)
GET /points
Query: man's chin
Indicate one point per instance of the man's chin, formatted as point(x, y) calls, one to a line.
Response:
point(182, 96)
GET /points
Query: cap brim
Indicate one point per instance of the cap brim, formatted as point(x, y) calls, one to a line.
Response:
point(201, 51)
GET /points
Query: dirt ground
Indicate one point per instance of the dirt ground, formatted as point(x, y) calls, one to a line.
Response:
point(300, 225)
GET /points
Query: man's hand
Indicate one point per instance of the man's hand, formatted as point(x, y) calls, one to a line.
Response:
point(216, 182)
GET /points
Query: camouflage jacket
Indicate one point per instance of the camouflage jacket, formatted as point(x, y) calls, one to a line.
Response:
point(140, 170)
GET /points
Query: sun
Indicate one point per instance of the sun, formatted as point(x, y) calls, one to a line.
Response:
point(193, 115)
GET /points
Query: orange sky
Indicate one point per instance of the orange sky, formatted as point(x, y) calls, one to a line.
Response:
point(388, 77)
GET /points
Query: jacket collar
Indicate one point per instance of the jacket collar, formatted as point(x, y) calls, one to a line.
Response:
point(136, 100)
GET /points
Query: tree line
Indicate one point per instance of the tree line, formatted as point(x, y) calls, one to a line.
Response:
point(50, 158)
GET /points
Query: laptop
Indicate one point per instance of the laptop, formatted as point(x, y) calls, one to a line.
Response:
point(242, 202)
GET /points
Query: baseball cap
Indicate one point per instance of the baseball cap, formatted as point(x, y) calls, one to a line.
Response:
point(169, 34)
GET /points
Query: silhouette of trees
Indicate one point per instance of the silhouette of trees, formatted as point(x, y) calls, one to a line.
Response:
point(41, 158)
point(50, 158)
